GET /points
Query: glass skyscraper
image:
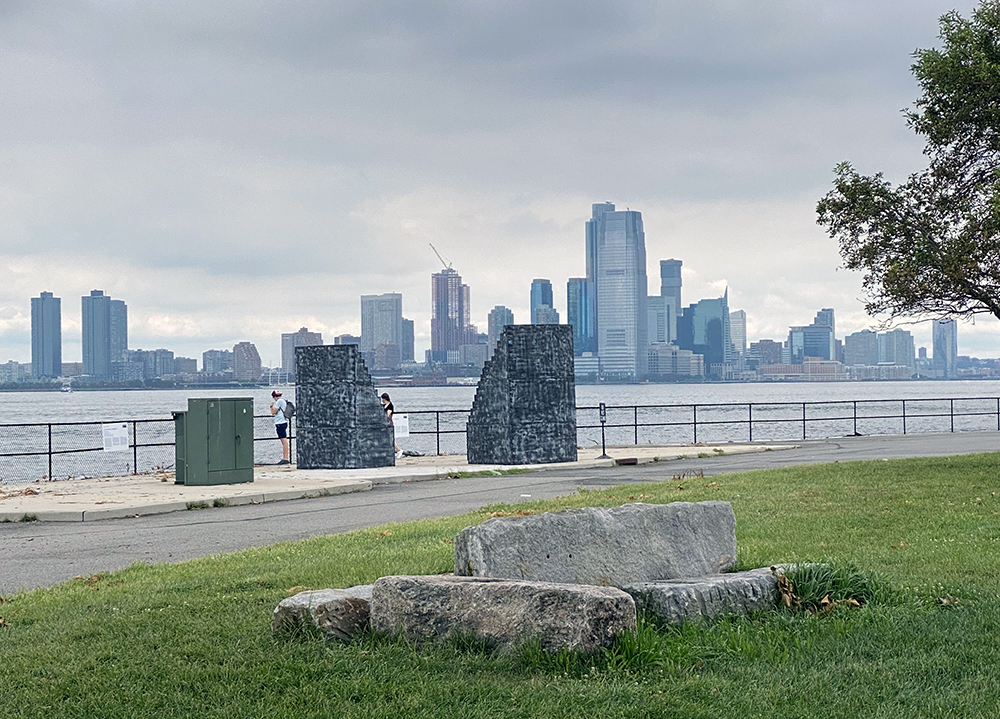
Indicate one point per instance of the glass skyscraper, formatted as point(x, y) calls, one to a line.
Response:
point(944, 336)
point(450, 325)
point(704, 329)
point(619, 267)
point(670, 291)
point(46, 336)
point(541, 296)
point(580, 314)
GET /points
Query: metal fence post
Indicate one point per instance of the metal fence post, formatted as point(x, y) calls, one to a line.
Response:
point(635, 423)
point(855, 418)
point(50, 451)
point(951, 411)
point(904, 416)
point(750, 420)
point(135, 449)
point(803, 420)
point(437, 430)
point(694, 421)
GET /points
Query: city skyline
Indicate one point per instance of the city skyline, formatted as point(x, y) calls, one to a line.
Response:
point(262, 175)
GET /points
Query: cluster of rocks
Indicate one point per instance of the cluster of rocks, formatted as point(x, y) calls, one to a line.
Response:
point(572, 579)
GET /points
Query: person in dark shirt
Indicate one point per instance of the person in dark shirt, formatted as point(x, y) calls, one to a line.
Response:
point(389, 409)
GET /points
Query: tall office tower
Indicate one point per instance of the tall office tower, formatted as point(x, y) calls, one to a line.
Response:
point(944, 336)
point(541, 296)
point(216, 361)
point(291, 340)
point(738, 330)
point(704, 329)
point(347, 340)
point(105, 333)
point(580, 314)
point(450, 326)
point(406, 349)
point(246, 362)
point(499, 318)
point(545, 315)
point(825, 318)
point(381, 320)
point(594, 232)
point(897, 347)
point(670, 291)
point(621, 294)
point(656, 320)
point(815, 340)
point(861, 348)
point(46, 336)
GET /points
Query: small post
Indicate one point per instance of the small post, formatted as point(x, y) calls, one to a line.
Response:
point(437, 431)
point(904, 416)
point(604, 418)
point(135, 449)
point(635, 423)
point(50, 452)
point(750, 420)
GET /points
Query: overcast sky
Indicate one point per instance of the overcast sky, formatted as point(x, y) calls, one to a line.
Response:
point(238, 170)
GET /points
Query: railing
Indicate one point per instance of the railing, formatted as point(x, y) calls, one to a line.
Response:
point(75, 449)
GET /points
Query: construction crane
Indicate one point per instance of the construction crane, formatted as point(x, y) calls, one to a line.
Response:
point(447, 265)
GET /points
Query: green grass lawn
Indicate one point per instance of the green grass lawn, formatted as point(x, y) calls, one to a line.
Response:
point(194, 639)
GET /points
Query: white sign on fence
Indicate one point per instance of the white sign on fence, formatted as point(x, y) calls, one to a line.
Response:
point(402, 424)
point(115, 437)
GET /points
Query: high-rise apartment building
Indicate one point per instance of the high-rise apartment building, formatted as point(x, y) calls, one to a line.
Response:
point(499, 318)
point(381, 320)
point(541, 296)
point(105, 334)
point(545, 315)
point(46, 336)
point(861, 348)
point(670, 291)
point(406, 349)
point(246, 362)
point(450, 311)
point(580, 314)
point(944, 336)
point(291, 340)
point(618, 244)
point(216, 361)
point(897, 347)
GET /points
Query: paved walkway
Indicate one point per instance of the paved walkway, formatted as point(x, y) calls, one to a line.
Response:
point(85, 500)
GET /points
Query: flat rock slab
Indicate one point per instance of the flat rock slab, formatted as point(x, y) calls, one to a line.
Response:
point(603, 546)
point(504, 613)
point(690, 600)
point(339, 613)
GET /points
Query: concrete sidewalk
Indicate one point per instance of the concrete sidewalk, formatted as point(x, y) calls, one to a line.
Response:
point(85, 500)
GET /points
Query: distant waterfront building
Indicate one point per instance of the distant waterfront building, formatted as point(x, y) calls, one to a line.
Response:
point(545, 315)
point(46, 336)
point(499, 318)
point(738, 330)
point(657, 320)
point(580, 314)
point(861, 349)
point(291, 340)
point(105, 334)
point(670, 291)
point(944, 337)
point(766, 351)
point(347, 340)
point(381, 324)
point(216, 361)
point(896, 347)
point(541, 295)
point(406, 347)
point(618, 244)
point(704, 329)
point(667, 361)
point(246, 362)
point(450, 312)
point(185, 365)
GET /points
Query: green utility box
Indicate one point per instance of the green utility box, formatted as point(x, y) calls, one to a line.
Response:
point(213, 441)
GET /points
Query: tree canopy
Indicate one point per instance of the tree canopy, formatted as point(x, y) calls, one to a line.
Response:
point(931, 245)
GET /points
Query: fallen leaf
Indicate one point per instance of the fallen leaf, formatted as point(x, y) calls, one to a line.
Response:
point(296, 590)
point(4, 622)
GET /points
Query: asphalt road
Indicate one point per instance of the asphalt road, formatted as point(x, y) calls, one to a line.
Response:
point(40, 554)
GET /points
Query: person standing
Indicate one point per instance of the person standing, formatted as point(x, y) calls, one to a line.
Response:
point(389, 409)
point(281, 425)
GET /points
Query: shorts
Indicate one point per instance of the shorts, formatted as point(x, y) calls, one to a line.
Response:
point(282, 430)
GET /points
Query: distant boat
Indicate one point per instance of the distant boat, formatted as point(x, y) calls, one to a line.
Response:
point(66, 389)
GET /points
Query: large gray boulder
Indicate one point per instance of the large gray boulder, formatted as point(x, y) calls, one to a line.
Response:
point(339, 613)
point(603, 546)
point(686, 600)
point(504, 613)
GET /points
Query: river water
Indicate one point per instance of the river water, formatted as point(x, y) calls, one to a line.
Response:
point(723, 413)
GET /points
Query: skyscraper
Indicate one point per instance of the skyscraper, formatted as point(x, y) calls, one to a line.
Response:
point(105, 333)
point(580, 314)
point(291, 340)
point(621, 290)
point(897, 347)
point(46, 336)
point(450, 326)
point(704, 329)
point(738, 330)
point(944, 335)
point(406, 349)
point(861, 348)
point(541, 296)
point(670, 291)
point(594, 234)
point(499, 318)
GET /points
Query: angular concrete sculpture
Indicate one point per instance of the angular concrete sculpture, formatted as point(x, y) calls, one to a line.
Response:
point(525, 406)
point(503, 613)
point(340, 420)
point(690, 600)
point(605, 546)
point(338, 613)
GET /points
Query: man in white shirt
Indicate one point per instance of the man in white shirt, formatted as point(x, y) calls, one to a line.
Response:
point(281, 425)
